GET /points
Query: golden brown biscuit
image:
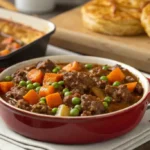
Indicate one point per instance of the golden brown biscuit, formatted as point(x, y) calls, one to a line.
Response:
point(132, 7)
point(134, 4)
point(7, 5)
point(103, 16)
point(145, 19)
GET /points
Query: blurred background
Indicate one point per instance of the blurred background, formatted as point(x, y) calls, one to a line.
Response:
point(43, 8)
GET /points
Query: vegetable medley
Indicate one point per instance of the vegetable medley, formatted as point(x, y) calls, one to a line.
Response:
point(8, 44)
point(73, 89)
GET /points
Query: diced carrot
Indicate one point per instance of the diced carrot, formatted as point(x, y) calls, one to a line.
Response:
point(51, 77)
point(8, 40)
point(31, 97)
point(6, 86)
point(54, 100)
point(4, 52)
point(116, 75)
point(74, 66)
point(131, 86)
point(15, 46)
point(46, 90)
point(35, 75)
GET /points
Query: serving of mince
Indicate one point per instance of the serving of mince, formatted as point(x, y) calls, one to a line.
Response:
point(71, 89)
point(14, 35)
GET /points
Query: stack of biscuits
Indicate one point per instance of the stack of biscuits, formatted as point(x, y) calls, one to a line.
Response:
point(117, 17)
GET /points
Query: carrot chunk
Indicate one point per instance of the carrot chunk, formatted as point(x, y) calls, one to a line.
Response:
point(54, 100)
point(31, 97)
point(35, 75)
point(15, 46)
point(51, 77)
point(116, 75)
point(46, 90)
point(74, 66)
point(4, 52)
point(8, 40)
point(6, 86)
point(131, 86)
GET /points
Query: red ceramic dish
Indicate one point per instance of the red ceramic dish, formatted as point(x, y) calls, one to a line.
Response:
point(75, 130)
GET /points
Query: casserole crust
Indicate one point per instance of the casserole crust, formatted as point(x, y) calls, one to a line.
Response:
point(18, 31)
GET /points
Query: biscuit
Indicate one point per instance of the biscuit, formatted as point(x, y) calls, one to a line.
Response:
point(145, 19)
point(133, 4)
point(103, 16)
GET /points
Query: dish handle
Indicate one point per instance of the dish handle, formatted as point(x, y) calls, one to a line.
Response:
point(148, 97)
point(1, 69)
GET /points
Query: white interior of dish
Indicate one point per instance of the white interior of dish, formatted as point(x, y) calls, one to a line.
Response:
point(83, 59)
point(34, 22)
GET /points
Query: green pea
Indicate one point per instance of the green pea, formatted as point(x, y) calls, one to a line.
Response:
point(65, 90)
point(105, 67)
point(38, 89)
point(58, 67)
point(76, 100)
point(117, 83)
point(88, 66)
point(107, 99)
point(78, 107)
point(36, 84)
point(104, 78)
point(54, 110)
point(105, 105)
point(22, 83)
point(55, 70)
point(74, 112)
point(67, 93)
point(8, 78)
point(29, 82)
point(43, 100)
point(30, 86)
point(61, 82)
point(55, 85)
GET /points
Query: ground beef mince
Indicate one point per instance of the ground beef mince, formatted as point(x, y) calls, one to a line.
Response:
point(100, 83)
point(139, 89)
point(86, 113)
point(116, 66)
point(20, 75)
point(12, 101)
point(129, 79)
point(71, 89)
point(16, 92)
point(22, 104)
point(41, 109)
point(46, 66)
point(120, 93)
point(97, 72)
point(78, 80)
point(68, 99)
point(91, 104)
point(30, 67)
